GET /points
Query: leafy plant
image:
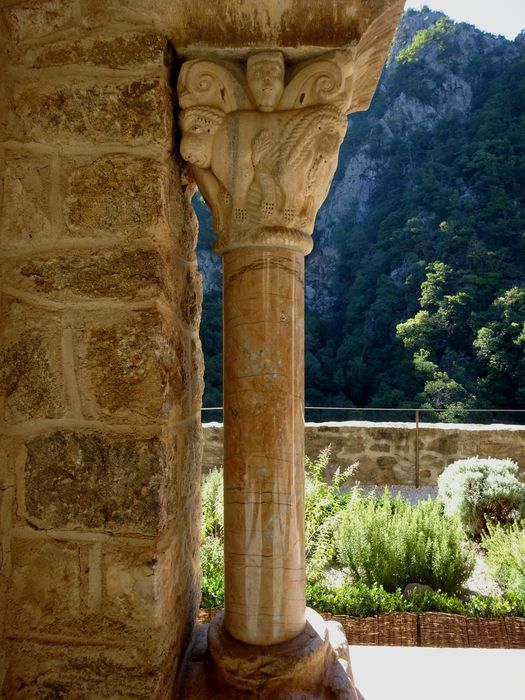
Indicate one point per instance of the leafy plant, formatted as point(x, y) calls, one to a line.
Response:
point(324, 501)
point(505, 548)
point(357, 600)
point(213, 504)
point(435, 33)
point(481, 490)
point(390, 542)
point(212, 567)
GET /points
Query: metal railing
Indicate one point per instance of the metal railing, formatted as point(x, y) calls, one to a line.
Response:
point(514, 416)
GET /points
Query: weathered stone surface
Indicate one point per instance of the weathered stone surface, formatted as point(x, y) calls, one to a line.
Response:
point(45, 586)
point(315, 665)
point(129, 366)
point(118, 274)
point(26, 207)
point(31, 365)
point(353, 442)
point(102, 482)
point(191, 302)
point(181, 215)
point(131, 111)
point(129, 590)
point(41, 671)
point(36, 20)
point(117, 194)
point(120, 51)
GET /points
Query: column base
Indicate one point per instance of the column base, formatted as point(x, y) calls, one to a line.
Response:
point(315, 665)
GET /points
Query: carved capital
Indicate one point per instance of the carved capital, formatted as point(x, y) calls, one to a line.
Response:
point(263, 142)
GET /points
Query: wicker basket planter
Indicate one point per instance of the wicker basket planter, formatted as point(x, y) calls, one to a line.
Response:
point(442, 630)
point(426, 630)
point(515, 627)
point(398, 630)
point(360, 630)
point(487, 632)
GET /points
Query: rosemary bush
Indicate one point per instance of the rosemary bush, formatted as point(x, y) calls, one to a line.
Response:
point(481, 490)
point(213, 504)
point(390, 542)
point(505, 548)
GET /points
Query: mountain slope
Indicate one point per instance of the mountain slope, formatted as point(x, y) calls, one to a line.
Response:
point(415, 289)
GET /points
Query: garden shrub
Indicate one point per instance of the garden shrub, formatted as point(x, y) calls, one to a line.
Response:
point(323, 504)
point(390, 542)
point(357, 600)
point(481, 490)
point(212, 567)
point(505, 554)
point(213, 504)
point(360, 600)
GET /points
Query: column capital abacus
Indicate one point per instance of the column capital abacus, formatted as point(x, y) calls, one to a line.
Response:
point(262, 139)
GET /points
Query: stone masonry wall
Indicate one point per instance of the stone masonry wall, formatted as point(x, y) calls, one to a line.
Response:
point(386, 452)
point(100, 367)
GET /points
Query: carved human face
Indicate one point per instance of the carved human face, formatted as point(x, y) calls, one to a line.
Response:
point(265, 73)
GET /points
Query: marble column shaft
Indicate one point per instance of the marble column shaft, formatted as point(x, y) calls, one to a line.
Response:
point(264, 444)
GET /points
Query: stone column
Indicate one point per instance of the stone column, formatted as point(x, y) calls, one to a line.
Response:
point(263, 142)
point(263, 418)
point(264, 146)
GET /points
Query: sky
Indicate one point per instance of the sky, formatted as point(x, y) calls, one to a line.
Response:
point(505, 17)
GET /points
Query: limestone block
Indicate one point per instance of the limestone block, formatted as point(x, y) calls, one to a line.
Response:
point(134, 274)
point(129, 366)
point(191, 302)
point(188, 352)
point(36, 20)
point(129, 588)
point(45, 586)
point(102, 482)
point(445, 443)
point(41, 670)
point(31, 381)
point(121, 51)
point(385, 461)
point(180, 212)
point(26, 204)
point(117, 194)
point(132, 111)
point(380, 447)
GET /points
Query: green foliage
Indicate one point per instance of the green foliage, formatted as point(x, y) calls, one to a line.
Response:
point(438, 252)
point(436, 33)
point(212, 568)
point(480, 490)
point(360, 600)
point(357, 600)
point(212, 496)
point(436, 601)
point(323, 504)
point(505, 554)
point(212, 539)
point(389, 541)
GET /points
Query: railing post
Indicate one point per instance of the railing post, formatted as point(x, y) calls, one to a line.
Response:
point(417, 449)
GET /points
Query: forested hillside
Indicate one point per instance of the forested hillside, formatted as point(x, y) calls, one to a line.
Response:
point(416, 287)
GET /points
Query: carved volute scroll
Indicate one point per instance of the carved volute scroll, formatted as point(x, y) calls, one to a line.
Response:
point(263, 142)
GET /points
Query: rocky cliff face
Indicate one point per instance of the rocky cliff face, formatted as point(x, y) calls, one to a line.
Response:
point(439, 80)
point(431, 73)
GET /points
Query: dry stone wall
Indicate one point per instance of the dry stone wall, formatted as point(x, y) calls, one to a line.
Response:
point(100, 361)
point(386, 452)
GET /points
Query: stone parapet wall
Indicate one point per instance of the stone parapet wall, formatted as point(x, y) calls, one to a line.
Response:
point(100, 361)
point(386, 452)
